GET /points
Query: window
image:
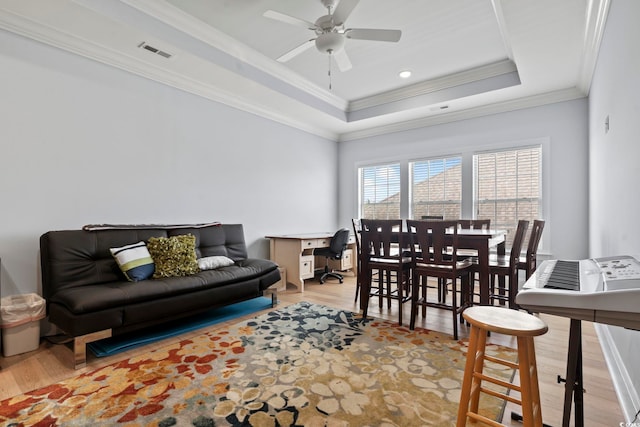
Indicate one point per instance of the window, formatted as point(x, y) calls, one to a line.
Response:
point(503, 185)
point(436, 188)
point(380, 191)
point(507, 187)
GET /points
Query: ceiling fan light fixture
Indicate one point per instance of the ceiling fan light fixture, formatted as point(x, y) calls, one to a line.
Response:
point(404, 74)
point(329, 42)
point(330, 32)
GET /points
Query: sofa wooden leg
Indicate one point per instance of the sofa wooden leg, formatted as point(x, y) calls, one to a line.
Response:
point(274, 296)
point(80, 346)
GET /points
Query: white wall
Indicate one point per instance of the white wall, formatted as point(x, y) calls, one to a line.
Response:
point(615, 175)
point(84, 143)
point(562, 126)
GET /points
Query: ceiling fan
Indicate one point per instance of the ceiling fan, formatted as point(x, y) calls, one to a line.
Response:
point(331, 33)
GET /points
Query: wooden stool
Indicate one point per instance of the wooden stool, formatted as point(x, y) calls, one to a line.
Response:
point(485, 319)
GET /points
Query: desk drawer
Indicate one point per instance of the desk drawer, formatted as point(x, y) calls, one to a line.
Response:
point(347, 260)
point(315, 243)
point(344, 263)
point(307, 266)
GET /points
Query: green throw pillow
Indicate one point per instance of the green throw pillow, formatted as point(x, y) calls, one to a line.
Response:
point(173, 256)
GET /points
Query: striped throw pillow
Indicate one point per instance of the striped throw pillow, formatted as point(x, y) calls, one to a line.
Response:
point(134, 261)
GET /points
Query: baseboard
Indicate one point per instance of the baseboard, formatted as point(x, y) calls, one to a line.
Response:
point(625, 389)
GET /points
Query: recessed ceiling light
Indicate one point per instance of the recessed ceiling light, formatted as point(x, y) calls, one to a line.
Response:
point(405, 74)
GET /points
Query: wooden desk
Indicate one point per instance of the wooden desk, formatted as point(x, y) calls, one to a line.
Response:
point(294, 252)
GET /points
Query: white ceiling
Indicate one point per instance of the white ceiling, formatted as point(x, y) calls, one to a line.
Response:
point(468, 57)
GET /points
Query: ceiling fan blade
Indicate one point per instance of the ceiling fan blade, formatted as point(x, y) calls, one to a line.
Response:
point(296, 51)
point(343, 10)
point(289, 19)
point(371, 34)
point(342, 59)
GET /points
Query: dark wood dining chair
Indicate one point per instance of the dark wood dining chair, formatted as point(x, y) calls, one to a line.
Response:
point(504, 268)
point(529, 261)
point(470, 224)
point(481, 224)
point(381, 252)
point(430, 241)
point(474, 224)
point(357, 230)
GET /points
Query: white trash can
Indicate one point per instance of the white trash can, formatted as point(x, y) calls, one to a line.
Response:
point(20, 322)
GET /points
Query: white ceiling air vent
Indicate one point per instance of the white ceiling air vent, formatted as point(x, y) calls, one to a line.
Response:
point(155, 50)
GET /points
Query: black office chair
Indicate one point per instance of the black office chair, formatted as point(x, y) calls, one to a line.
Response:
point(334, 251)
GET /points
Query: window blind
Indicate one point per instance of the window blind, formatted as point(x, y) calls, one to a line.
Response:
point(380, 191)
point(436, 188)
point(508, 186)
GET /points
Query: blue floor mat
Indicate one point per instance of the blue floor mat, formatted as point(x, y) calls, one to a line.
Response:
point(113, 345)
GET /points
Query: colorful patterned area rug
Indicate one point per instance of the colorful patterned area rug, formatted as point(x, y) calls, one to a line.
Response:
point(120, 343)
point(301, 365)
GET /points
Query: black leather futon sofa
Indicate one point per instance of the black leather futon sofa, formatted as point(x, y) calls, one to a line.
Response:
point(89, 298)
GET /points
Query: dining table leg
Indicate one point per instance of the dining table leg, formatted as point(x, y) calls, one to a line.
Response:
point(483, 269)
point(483, 279)
point(365, 288)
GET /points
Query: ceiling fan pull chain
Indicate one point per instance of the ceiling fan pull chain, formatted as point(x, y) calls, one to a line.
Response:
point(329, 70)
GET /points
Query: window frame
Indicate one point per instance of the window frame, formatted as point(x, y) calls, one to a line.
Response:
point(465, 149)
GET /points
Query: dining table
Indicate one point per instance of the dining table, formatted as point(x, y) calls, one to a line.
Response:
point(480, 240)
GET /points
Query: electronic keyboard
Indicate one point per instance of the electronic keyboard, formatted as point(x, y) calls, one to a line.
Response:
point(602, 290)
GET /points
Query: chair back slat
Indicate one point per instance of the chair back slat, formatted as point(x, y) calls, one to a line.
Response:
point(434, 242)
point(534, 239)
point(380, 236)
point(465, 224)
point(516, 246)
point(474, 224)
point(481, 224)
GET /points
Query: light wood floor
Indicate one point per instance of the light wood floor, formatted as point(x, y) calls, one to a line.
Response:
point(52, 363)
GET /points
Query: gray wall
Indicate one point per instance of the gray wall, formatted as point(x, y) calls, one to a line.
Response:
point(84, 143)
point(562, 129)
point(615, 175)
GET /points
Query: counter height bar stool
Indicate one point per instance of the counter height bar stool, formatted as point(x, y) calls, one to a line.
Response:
point(464, 224)
point(474, 224)
point(382, 240)
point(430, 244)
point(505, 267)
point(357, 229)
point(524, 327)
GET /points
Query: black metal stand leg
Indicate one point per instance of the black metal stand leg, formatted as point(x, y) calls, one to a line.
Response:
point(517, 417)
point(573, 390)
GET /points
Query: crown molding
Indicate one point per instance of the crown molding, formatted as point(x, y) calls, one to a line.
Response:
point(188, 24)
point(469, 113)
point(43, 33)
point(502, 26)
point(597, 12)
point(429, 86)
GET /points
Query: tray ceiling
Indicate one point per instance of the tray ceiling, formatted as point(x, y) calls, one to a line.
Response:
point(467, 57)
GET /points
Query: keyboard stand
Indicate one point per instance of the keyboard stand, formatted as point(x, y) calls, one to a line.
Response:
point(573, 390)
